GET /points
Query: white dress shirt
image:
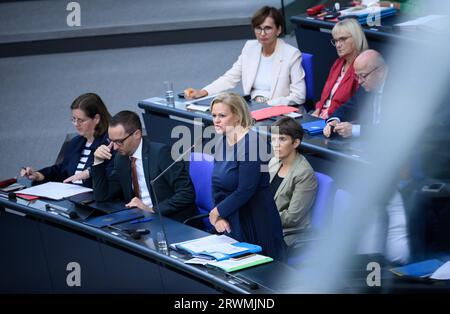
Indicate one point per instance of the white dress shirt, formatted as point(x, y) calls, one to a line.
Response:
point(143, 189)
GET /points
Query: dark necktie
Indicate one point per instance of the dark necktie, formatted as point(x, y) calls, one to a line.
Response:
point(134, 177)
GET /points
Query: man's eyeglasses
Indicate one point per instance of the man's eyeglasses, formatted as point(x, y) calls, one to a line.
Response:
point(363, 77)
point(76, 121)
point(121, 141)
point(341, 40)
point(267, 29)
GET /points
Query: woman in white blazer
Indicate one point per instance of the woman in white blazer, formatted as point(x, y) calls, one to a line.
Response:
point(269, 68)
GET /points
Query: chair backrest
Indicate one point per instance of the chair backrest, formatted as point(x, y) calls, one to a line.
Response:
point(321, 210)
point(60, 157)
point(200, 169)
point(342, 201)
point(307, 64)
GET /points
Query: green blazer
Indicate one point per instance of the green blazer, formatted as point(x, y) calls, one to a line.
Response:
point(295, 195)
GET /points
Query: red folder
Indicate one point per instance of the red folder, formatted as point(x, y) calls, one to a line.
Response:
point(27, 197)
point(274, 111)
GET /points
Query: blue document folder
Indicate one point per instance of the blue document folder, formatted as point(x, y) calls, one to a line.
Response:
point(115, 218)
point(314, 127)
point(422, 269)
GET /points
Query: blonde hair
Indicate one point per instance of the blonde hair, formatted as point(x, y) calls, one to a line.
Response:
point(352, 26)
point(238, 107)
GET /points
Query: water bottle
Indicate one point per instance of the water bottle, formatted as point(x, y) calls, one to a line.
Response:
point(161, 243)
point(170, 96)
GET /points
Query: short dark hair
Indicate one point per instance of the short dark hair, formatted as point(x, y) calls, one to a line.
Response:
point(128, 119)
point(259, 17)
point(91, 104)
point(288, 126)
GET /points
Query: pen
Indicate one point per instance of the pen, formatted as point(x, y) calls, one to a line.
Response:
point(137, 221)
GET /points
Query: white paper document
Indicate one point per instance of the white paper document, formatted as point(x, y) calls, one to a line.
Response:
point(213, 243)
point(442, 273)
point(55, 190)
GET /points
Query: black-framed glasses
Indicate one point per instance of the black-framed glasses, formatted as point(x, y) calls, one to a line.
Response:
point(121, 141)
point(334, 42)
point(267, 29)
point(363, 77)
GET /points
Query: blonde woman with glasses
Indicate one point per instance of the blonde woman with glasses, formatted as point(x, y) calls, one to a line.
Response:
point(341, 85)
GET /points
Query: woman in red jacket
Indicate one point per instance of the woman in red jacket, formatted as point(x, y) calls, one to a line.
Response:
point(341, 85)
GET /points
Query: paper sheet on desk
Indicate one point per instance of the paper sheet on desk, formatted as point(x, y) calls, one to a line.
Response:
point(214, 243)
point(442, 273)
point(55, 190)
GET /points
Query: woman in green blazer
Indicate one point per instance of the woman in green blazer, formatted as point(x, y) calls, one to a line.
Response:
point(292, 180)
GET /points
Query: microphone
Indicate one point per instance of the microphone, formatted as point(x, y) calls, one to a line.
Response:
point(163, 241)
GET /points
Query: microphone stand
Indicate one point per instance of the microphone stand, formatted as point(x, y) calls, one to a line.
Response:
point(152, 184)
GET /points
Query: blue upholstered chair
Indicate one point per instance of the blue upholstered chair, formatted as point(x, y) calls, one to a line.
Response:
point(321, 215)
point(307, 64)
point(200, 169)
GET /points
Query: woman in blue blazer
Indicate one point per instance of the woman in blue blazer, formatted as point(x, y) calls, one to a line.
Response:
point(90, 118)
point(244, 207)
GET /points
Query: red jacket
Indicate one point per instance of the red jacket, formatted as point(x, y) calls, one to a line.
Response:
point(346, 89)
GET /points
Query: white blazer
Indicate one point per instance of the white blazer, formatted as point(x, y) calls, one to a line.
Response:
point(287, 75)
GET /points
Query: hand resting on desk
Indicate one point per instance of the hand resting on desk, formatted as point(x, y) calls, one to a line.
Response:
point(190, 93)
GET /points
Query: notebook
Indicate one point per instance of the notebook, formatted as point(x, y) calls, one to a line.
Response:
point(218, 247)
point(114, 218)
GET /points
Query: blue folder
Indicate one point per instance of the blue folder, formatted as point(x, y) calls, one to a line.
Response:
point(422, 269)
point(115, 218)
point(314, 127)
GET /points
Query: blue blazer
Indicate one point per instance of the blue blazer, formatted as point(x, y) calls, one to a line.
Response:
point(72, 154)
point(242, 196)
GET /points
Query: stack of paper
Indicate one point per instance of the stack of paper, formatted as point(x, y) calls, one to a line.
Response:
point(55, 190)
point(218, 247)
point(367, 15)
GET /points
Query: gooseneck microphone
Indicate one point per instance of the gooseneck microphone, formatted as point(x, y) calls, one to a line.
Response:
point(152, 184)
